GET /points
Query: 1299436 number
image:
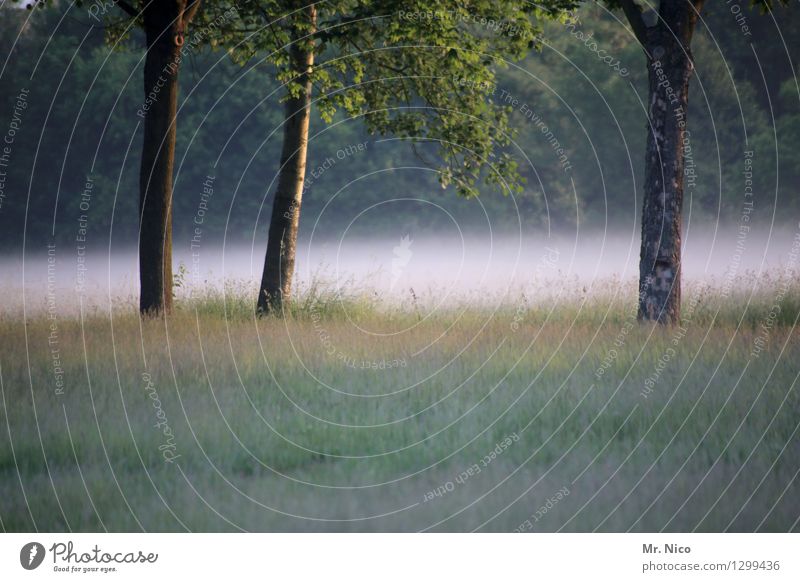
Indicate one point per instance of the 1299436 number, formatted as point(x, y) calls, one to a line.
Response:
point(757, 565)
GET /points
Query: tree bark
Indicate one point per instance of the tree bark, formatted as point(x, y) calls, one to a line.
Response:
point(670, 67)
point(276, 280)
point(164, 25)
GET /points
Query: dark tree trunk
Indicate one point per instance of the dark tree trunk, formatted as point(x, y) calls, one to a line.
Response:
point(670, 67)
point(276, 281)
point(164, 23)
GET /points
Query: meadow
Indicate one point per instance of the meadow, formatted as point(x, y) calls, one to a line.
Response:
point(551, 412)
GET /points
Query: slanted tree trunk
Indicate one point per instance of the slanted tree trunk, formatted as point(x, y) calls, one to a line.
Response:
point(670, 66)
point(276, 281)
point(164, 25)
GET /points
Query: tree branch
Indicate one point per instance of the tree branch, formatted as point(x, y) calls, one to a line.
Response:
point(633, 13)
point(190, 11)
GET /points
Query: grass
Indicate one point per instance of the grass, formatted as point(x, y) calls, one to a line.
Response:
point(356, 414)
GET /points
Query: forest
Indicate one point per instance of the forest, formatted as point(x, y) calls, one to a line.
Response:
point(84, 115)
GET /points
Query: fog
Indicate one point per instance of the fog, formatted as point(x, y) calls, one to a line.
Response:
point(434, 269)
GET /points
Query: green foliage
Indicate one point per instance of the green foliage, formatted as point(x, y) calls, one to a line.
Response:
point(81, 118)
point(403, 70)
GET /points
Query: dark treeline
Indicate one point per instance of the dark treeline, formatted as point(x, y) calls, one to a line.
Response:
point(72, 105)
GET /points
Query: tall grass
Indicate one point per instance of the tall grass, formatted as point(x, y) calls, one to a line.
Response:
point(357, 413)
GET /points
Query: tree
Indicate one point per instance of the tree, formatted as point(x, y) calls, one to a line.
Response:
point(670, 63)
point(276, 280)
point(165, 25)
point(418, 73)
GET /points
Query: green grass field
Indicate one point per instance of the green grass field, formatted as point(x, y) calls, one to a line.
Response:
point(356, 416)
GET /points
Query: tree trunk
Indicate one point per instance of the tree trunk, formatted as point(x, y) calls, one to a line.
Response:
point(276, 281)
point(164, 33)
point(670, 67)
